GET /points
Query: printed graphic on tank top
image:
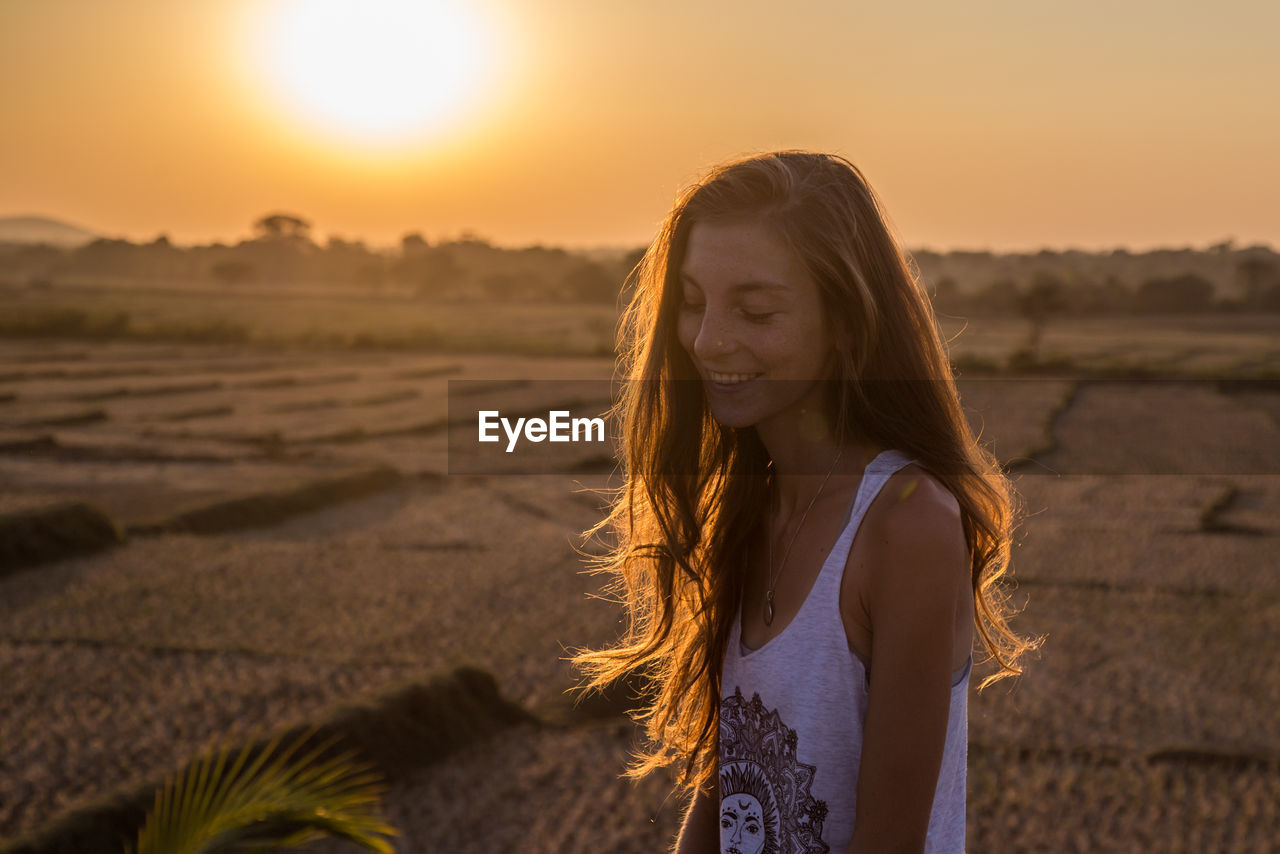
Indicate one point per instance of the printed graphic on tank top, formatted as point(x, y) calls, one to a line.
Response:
point(791, 722)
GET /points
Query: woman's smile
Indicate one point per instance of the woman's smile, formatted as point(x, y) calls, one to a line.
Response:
point(728, 382)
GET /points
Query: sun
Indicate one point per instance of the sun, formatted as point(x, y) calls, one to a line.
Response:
point(374, 70)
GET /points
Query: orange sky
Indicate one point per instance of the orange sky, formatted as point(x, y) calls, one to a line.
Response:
point(998, 125)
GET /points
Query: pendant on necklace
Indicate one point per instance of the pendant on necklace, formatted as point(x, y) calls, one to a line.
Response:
point(768, 608)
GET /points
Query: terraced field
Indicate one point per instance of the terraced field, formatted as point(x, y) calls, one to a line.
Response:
point(265, 536)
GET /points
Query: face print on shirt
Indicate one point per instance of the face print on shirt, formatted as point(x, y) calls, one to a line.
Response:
point(748, 812)
point(765, 803)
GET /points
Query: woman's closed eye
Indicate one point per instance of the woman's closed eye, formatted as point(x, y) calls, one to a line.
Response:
point(754, 317)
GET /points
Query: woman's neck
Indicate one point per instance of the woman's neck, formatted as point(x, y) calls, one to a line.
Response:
point(800, 466)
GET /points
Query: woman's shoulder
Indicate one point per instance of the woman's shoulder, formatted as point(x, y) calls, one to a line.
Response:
point(911, 547)
point(915, 515)
point(917, 495)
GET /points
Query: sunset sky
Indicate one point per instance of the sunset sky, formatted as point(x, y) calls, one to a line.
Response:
point(982, 125)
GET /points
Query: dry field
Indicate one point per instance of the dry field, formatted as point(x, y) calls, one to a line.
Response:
point(291, 539)
point(313, 315)
point(318, 315)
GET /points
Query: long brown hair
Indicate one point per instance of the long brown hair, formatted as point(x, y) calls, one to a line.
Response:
point(689, 503)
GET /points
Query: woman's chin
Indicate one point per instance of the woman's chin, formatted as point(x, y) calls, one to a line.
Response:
point(728, 416)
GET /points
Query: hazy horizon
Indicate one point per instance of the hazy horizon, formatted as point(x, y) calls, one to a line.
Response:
point(320, 238)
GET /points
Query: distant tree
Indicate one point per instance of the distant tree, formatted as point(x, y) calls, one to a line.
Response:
point(505, 285)
point(1177, 294)
point(471, 237)
point(436, 271)
point(1045, 298)
point(282, 226)
point(107, 255)
point(1083, 295)
point(629, 263)
point(1000, 297)
point(340, 245)
point(351, 261)
point(1255, 271)
point(1115, 297)
point(544, 253)
point(946, 294)
point(103, 244)
point(632, 258)
point(412, 244)
point(233, 272)
point(1269, 298)
point(592, 283)
point(371, 275)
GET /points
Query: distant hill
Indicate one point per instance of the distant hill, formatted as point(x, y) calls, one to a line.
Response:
point(38, 229)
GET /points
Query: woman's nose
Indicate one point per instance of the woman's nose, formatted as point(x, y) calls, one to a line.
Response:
point(713, 337)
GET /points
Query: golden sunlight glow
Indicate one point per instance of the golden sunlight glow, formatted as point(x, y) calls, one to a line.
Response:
point(375, 70)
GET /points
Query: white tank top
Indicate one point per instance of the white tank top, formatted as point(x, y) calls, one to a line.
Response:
point(791, 723)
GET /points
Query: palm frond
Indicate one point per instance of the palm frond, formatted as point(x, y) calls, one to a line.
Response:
point(262, 809)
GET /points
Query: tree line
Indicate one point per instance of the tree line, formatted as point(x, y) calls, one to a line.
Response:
point(283, 251)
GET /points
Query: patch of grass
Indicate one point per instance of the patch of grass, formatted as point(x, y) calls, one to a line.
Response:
point(197, 412)
point(397, 732)
point(975, 363)
point(268, 508)
point(69, 419)
point(215, 330)
point(313, 321)
point(64, 322)
point(38, 534)
point(58, 321)
point(1024, 361)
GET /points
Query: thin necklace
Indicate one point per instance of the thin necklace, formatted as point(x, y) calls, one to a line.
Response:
point(773, 583)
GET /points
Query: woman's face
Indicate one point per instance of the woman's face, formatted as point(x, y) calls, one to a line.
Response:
point(741, 825)
point(752, 322)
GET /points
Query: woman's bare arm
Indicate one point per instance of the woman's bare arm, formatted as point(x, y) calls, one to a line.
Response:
point(921, 569)
point(700, 833)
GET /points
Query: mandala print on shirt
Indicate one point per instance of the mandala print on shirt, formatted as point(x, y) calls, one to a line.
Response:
point(765, 804)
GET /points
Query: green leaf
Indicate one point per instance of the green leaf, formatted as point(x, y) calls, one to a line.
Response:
point(263, 807)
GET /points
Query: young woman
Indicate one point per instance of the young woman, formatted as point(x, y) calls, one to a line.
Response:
point(809, 533)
